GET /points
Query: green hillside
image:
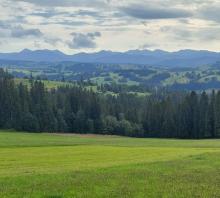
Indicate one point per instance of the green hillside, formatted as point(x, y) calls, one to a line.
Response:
point(178, 78)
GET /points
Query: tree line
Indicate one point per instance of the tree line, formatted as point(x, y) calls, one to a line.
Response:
point(79, 110)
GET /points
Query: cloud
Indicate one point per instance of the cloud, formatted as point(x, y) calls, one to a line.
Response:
point(179, 32)
point(20, 32)
point(154, 12)
point(52, 41)
point(87, 13)
point(4, 25)
point(205, 34)
point(66, 3)
point(125, 24)
point(211, 12)
point(209, 34)
point(47, 13)
point(17, 31)
point(9, 22)
point(147, 46)
point(67, 23)
point(37, 44)
point(2, 42)
point(81, 40)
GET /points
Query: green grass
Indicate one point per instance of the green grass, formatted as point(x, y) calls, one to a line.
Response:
point(174, 78)
point(58, 166)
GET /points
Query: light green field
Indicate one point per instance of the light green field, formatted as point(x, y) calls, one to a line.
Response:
point(58, 166)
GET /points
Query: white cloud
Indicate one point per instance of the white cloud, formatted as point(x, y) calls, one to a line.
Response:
point(123, 25)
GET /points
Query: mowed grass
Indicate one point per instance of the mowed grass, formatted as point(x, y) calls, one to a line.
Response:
point(58, 166)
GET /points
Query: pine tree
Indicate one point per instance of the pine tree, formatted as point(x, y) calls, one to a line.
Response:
point(212, 116)
point(217, 114)
point(203, 116)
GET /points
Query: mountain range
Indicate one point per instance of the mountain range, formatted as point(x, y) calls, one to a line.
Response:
point(182, 58)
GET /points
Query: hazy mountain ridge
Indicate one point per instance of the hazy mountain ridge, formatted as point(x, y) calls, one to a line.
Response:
point(182, 58)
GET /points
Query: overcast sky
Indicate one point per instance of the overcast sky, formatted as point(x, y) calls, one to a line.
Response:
point(73, 26)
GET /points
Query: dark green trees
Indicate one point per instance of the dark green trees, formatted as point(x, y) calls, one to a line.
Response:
point(212, 115)
point(78, 110)
point(204, 128)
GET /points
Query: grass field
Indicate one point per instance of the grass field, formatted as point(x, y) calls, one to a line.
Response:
point(58, 166)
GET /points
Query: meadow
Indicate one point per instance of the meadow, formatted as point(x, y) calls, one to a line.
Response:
point(64, 165)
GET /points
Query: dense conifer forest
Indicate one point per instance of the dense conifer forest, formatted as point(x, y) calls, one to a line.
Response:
point(79, 110)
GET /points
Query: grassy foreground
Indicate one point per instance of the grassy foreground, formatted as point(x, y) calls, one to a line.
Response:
point(58, 166)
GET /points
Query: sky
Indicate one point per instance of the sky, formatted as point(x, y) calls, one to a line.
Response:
point(73, 26)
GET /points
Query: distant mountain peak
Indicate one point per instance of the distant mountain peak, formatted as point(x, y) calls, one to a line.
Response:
point(40, 50)
point(182, 58)
point(25, 50)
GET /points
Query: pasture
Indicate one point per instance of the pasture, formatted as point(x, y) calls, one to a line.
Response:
point(65, 166)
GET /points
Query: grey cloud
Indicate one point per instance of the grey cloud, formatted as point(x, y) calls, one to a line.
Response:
point(52, 41)
point(147, 46)
point(9, 24)
point(209, 34)
point(94, 35)
point(66, 3)
point(47, 13)
point(179, 32)
point(196, 34)
point(153, 12)
point(66, 23)
point(44, 14)
point(9, 30)
point(88, 13)
point(20, 32)
point(4, 25)
point(37, 44)
point(81, 40)
point(97, 15)
point(185, 21)
point(3, 33)
point(211, 12)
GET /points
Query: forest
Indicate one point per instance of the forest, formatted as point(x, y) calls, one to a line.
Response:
point(72, 109)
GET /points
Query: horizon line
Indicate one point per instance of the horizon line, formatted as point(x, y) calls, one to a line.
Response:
point(84, 52)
